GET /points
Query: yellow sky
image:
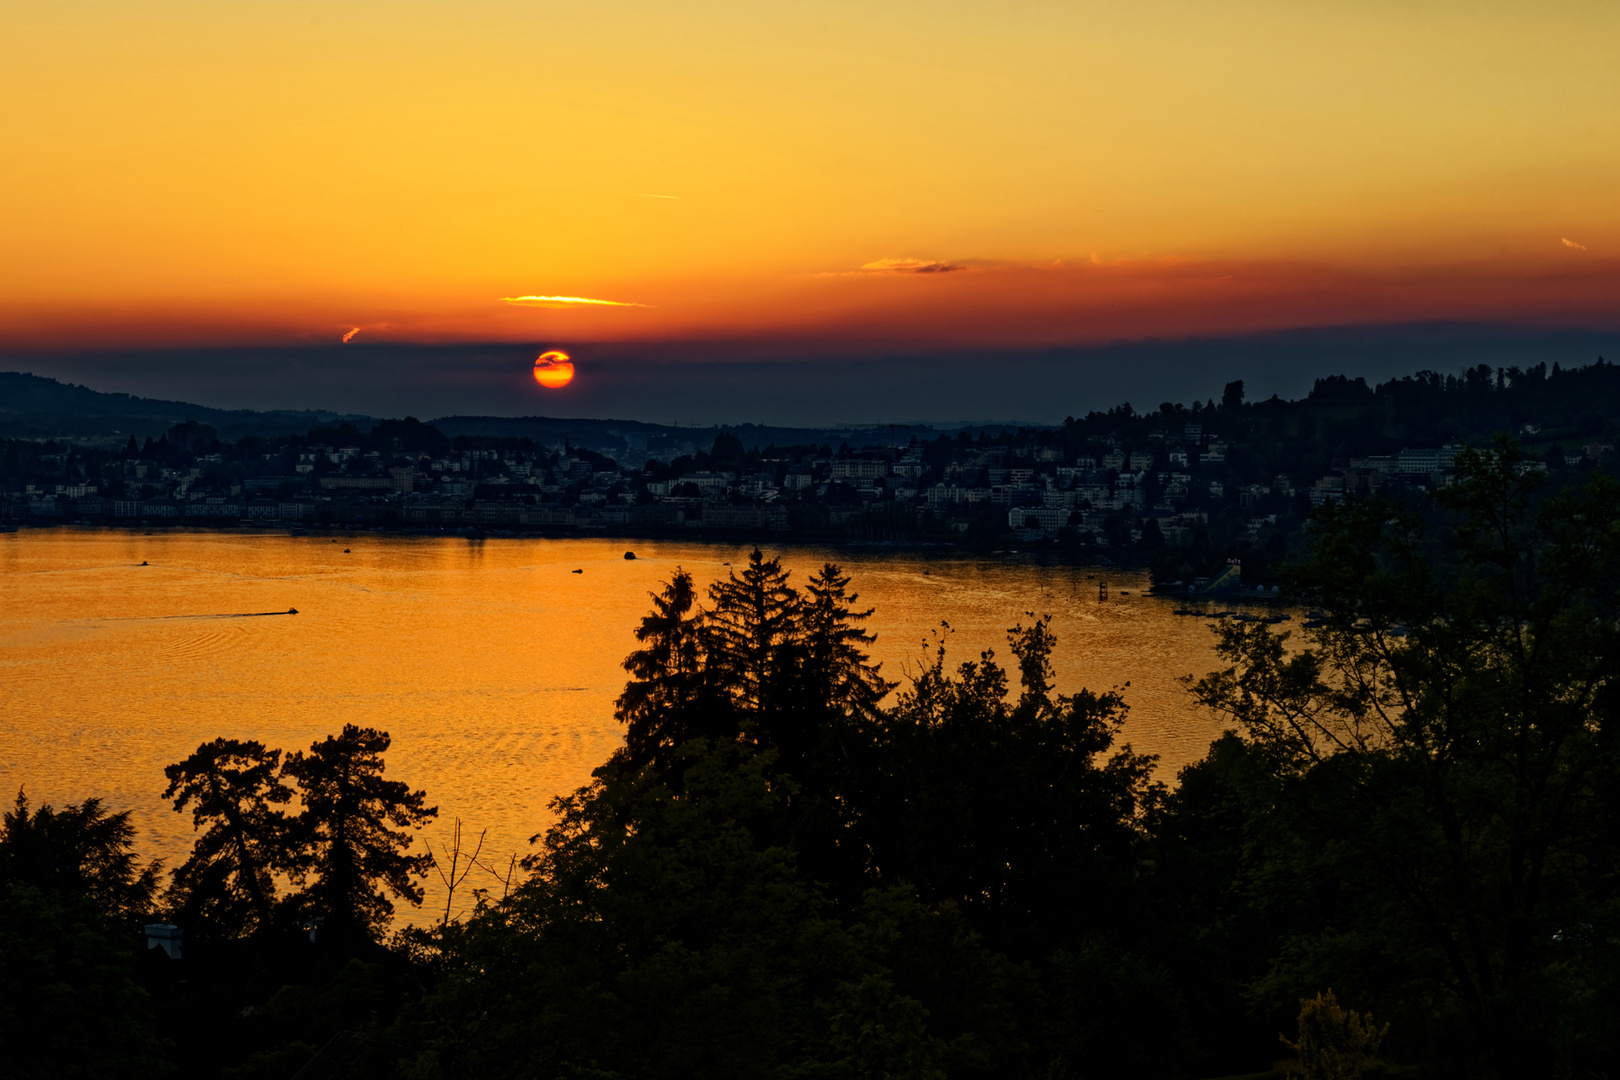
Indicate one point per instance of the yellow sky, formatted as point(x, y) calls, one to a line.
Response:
point(304, 168)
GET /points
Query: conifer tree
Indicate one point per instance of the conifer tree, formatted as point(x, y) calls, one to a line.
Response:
point(232, 788)
point(753, 636)
point(836, 673)
point(352, 833)
point(80, 850)
point(663, 703)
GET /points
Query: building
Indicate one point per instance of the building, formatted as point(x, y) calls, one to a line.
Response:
point(1050, 518)
point(859, 469)
point(721, 516)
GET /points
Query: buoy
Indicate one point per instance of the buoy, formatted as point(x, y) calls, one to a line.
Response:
point(345, 551)
point(143, 562)
point(629, 555)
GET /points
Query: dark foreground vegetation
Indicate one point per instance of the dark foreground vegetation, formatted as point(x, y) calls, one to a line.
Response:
point(1403, 856)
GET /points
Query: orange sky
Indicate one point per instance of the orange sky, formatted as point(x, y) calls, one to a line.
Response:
point(1021, 173)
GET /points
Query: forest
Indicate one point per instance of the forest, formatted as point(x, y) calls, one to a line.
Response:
point(1401, 859)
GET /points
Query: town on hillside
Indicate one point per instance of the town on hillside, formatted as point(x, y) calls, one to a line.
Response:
point(1188, 488)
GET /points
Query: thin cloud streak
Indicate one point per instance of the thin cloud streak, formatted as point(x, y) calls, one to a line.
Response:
point(1567, 242)
point(910, 266)
point(996, 304)
point(563, 302)
point(350, 335)
point(645, 195)
point(901, 266)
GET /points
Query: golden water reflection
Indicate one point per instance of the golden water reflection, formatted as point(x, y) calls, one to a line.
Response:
point(492, 662)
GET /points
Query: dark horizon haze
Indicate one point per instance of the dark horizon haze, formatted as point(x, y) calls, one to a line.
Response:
point(731, 382)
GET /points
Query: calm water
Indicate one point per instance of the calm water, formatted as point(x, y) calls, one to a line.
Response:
point(491, 662)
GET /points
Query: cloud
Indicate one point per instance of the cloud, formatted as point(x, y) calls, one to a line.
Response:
point(910, 266)
point(907, 265)
point(350, 335)
point(564, 302)
point(1567, 242)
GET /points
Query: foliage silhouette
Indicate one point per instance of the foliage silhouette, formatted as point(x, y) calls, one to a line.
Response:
point(1017, 811)
point(351, 835)
point(666, 699)
point(228, 882)
point(71, 893)
point(1439, 759)
point(665, 932)
point(1334, 1043)
point(763, 663)
point(79, 850)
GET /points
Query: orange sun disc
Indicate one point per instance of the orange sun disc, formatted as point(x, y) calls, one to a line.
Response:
point(554, 370)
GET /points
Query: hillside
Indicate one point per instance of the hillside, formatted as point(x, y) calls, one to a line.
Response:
point(32, 406)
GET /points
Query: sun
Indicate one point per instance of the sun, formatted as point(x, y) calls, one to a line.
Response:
point(554, 370)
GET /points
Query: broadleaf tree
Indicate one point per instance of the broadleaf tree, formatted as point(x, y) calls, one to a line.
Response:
point(1440, 754)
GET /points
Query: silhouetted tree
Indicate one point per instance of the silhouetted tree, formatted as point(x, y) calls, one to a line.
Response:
point(835, 672)
point(752, 636)
point(232, 787)
point(727, 449)
point(668, 932)
point(1018, 812)
point(80, 850)
point(666, 699)
point(71, 890)
point(1440, 760)
point(351, 836)
point(70, 1006)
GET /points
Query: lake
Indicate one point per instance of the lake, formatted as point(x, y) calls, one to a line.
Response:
point(492, 663)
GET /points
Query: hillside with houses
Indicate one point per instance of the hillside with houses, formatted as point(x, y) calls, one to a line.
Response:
point(1188, 487)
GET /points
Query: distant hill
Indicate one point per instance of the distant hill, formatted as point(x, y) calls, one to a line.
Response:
point(32, 406)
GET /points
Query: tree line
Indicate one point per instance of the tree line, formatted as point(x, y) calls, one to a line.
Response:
point(1402, 856)
point(73, 895)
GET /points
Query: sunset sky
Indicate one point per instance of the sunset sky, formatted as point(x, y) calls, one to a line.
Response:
point(793, 178)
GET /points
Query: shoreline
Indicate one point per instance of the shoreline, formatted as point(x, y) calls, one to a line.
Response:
point(941, 551)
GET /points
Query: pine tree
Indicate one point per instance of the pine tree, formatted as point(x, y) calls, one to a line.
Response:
point(836, 673)
point(231, 787)
point(664, 702)
point(344, 835)
point(753, 637)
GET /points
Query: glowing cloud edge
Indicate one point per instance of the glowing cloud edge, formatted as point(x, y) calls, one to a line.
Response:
point(566, 301)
